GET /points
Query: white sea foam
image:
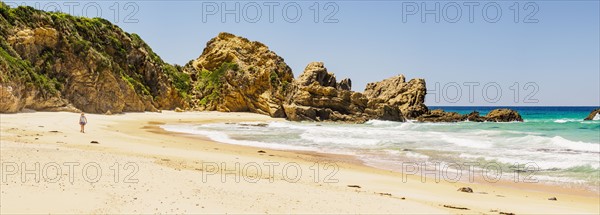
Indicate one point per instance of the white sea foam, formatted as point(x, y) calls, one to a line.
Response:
point(224, 138)
point(567, 120)
point(596, 117)
point(575, 145)
point(416, 155)
point(378, 142)
point(329, 139)
point(381, 123)
point(467, 142)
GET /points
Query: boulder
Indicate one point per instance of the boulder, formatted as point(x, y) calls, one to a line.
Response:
point(439, 115)
point(594, 115)
point(465, 189)
point(503, 115)
point(409, 97)
point(383, 111)
point(316, 72)
point(474, 117)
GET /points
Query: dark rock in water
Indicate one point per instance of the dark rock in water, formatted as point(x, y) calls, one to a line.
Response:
point(254, 125)
point(474, 117)
point(503, 115)
point(465, 189)
point(552, 199)
point(497, 115)
point(441, 116)
point(593, 115)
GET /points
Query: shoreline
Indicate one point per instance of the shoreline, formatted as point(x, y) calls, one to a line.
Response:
point(352, 160)
point(138, 136)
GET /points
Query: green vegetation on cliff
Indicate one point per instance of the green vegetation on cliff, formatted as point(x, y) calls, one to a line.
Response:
point(210, 82)
point(85, 61)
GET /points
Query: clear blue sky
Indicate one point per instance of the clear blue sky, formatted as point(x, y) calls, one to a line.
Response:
point(371, 41)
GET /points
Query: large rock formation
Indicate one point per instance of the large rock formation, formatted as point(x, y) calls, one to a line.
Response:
point(54, 61)
point(316, 95)
point(395, 91)
point(594, 115)
point(235, 74)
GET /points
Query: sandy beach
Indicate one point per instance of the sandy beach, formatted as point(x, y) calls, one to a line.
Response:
point(127, 164)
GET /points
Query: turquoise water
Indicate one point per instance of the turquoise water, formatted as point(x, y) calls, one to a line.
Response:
point(566, 122)
point(553, 144)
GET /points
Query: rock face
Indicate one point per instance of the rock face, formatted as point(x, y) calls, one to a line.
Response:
point(316, 96)
point(395, 91)
point(497, 115)
point(594, 115)
point(54, 61)
point(345, 84)
point(235, 74)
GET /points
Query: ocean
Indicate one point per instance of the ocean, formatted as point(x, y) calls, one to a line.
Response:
point(553, 144)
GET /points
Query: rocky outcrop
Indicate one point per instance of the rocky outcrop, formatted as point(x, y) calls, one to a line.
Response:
point(497, 115)
point(439, 115)
point(345, 84)
point(594, 115)
point(503, 115)
point(316, 96)
point(409, 97)
point(316, 72)
point(58, 62)
point(234, 74)
point(54, 61)
point(475, 117)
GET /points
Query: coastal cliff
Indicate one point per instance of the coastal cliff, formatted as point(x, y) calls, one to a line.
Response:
point(54, 61)
point(57, 62)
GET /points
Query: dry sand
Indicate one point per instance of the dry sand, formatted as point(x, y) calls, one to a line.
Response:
point(136, 167)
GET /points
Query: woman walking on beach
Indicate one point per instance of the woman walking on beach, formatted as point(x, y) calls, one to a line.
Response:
point(82, 122)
